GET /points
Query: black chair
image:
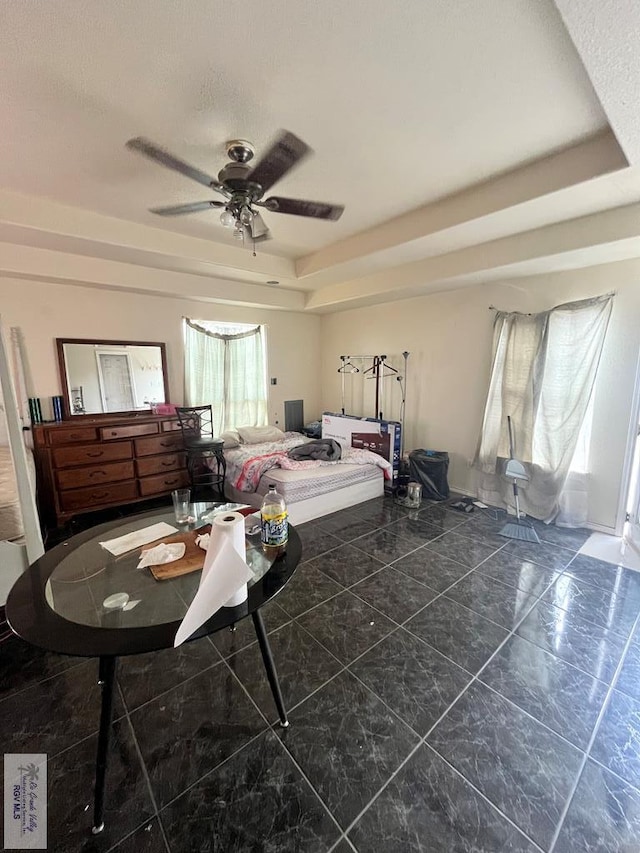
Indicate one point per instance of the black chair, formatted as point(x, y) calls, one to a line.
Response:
point(206, 464)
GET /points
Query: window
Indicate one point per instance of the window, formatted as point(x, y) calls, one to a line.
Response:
point(225, 366)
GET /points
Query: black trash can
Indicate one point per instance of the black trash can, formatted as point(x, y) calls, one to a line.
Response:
point(430, 468)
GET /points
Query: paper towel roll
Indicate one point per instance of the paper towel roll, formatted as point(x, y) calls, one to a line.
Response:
point(229, 526)
point(224, 578)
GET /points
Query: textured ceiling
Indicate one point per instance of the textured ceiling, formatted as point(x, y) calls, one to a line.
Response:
point(403, 103)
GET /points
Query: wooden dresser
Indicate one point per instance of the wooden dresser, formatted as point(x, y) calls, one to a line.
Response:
point(97, 463)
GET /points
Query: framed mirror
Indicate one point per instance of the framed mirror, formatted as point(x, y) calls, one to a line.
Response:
point(108, 377)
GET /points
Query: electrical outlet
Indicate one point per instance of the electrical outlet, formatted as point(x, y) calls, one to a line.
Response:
point(274, 380)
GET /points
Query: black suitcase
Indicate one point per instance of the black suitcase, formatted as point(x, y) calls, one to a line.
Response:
point(430, 468)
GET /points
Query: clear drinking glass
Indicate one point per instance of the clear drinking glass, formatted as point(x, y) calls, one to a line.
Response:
point(181, 499)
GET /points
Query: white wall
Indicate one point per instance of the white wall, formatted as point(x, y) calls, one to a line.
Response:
point(449, 337)
point(46, 311)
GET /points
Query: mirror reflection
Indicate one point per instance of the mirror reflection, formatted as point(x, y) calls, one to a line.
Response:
point(103, 377)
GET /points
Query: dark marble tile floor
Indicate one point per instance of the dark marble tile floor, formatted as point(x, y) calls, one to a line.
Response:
point(449, 691)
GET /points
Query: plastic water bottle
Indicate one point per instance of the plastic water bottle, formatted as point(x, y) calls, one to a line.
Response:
point(274, 525)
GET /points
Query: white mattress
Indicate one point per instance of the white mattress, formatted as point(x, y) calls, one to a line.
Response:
point(349, 493)
point(302, 485)
point(11, 526)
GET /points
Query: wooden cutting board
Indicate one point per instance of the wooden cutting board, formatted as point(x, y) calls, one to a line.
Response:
point(192, 561)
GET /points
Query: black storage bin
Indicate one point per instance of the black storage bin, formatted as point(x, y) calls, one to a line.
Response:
point(429, 468)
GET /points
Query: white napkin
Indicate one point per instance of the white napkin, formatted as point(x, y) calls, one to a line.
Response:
point(202, 541)
point(161, 554)
point(130, 541)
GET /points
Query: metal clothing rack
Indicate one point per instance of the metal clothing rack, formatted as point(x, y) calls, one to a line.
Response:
point(379, 370)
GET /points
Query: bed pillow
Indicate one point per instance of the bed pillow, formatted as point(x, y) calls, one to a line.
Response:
point(230, 438)
point(255, 435)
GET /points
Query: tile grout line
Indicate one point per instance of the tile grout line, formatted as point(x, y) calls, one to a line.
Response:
point(594, 734)
point(440, 718)
point(511, 633)
point(636, 787)
point(472, 677)
point(213, 769)
point(488, 661)
point(18, 691)
point(234, 753)
point(295, 763)
point(169, 689)
point(483, 796)
point(145, 772)
point(270, 728)
point(114, 848)
point(346, 668)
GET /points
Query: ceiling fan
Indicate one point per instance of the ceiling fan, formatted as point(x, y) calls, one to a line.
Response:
point(243, 185)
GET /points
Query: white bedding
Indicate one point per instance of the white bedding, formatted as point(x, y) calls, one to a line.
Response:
point(11, 526)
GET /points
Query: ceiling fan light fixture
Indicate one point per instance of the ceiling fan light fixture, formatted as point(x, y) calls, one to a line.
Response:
point(227, 219)
point(246, 215)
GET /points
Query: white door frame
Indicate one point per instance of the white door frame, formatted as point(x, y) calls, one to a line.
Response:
point(627, 468)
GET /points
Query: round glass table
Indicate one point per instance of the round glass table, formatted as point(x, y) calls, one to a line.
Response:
point(58, 605)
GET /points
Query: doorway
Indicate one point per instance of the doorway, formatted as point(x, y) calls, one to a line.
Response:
point(116, 381)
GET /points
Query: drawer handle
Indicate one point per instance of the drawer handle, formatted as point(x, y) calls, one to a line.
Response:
point(76, 435)
point(166, 444)
point(114, 432)
point(96, 454)
point(169, 463)
point(99, 495)
point(98, 473)
point(171, 482)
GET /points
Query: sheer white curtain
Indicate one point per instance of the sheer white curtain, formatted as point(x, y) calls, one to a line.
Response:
point(227, 370)
point(543, 373)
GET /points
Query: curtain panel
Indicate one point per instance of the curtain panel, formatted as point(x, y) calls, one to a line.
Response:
point(228, 372)
point(543, 373)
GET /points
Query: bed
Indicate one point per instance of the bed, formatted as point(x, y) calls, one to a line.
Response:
point(311, 489)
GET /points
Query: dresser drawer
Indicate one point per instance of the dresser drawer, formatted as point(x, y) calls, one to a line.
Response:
point(74, 478)
point(86, 499)
point(170, 426)
point(87, 454)
point(163, 483)
point(159, 444)
point(67, 436)
point(128, 431)
point(159, 464)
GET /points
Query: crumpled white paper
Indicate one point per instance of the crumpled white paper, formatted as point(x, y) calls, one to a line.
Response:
point(202, 541)
point(161, 554)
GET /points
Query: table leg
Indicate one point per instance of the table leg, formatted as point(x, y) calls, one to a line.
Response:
point(106, 678)
point(270, 667)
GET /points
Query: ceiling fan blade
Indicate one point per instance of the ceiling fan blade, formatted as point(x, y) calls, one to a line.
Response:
point(159, 155)
point(259, 230)
point(303, 207)
point(179, 209)
point(283, 155)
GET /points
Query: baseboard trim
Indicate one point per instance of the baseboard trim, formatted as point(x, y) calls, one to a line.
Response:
point(590, 525)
